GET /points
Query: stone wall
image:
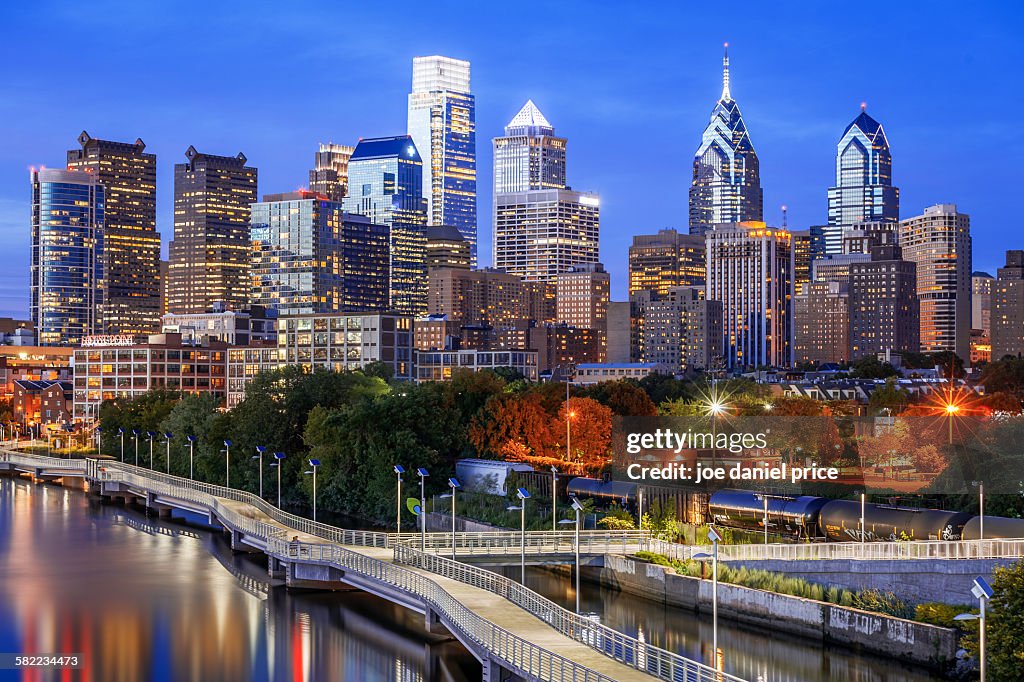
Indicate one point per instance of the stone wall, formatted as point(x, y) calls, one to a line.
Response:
point(874, 632)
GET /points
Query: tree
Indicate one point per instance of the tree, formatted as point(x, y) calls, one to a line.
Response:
point(890, 396)
point(870, 367)
point(379, 369)
point(1002, 401)
point(624, 398)
point(590, 424)
point(514, 427)
point(662, 387)
point(1004, 376)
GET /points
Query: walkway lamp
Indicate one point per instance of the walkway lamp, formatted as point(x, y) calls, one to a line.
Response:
point(120, 434)
point(278, 456)
point(168, 436)
point(98, 434)
point(191, 454)
point(554, 498)
point(260, 449)
point(523, 494)
point(454, 484)
point(399, 470)
point(150, 435)
point(983, 592)
point(980, 485)
point(227, 463)
point(314, 465)
point(423, 473)
point(135, 436)
point(714, 537)
point(577, 507)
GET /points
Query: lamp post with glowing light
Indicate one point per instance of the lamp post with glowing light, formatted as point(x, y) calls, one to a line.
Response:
point(168, 436)
point(227, 463)
point(135, 437)
point(260, 449)
point(278, 462)
point(99, 440)
point(454, 484)
point(951, 411)
point(314, 465)
point(191, 455)
point(150, 435)
point(120, 434)
point(715, 408)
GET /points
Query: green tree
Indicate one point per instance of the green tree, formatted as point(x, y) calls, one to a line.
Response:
point(889, 396)
point(870, 367)
point(624, 398)
point(1004, 376)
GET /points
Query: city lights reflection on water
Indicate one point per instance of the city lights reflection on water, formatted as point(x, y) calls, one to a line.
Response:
point(141, 599)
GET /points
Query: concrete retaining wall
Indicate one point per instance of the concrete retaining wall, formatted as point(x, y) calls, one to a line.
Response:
point(874, 632)
point(912, 580)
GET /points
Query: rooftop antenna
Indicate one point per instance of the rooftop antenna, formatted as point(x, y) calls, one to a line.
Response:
point(726, 97)
point(785, 217)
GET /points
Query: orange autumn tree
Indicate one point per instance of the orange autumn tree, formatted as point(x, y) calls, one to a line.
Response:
point(590, 425)
point(513, 427)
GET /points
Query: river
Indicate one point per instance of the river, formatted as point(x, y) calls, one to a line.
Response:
point(142, 599)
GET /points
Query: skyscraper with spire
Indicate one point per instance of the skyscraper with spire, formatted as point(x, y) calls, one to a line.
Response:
point(863, 192)
point(726, 186)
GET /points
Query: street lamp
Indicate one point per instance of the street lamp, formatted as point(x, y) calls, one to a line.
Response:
point(764, 498)
point(191, 454)
point(982, 592)
point(714, 537)
point(715, 407)
point(260, 449)
point(399, 470)
point(168, 435)
point(454, 484)
point(554, 498)
point(423, 473)
point(99, 439)
point(150, 435)
point(135, 436)
point(120, 433)
point(640, 507)
point(980, 485)
point(227, 463)
point(278, 456)
point(951, 411)
point(523, 494)
point(863, 526)
point(315, 464)
point(577, 507)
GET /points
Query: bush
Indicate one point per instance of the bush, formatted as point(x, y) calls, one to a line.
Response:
point(1004, 625)
point(935, 613)
point(881, 602)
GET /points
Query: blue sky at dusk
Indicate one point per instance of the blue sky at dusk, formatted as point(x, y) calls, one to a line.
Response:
point(631, 86)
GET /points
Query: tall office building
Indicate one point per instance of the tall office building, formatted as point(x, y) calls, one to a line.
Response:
point(541, 233)
point(750, 270)
point(803, 254)
point(330, 176)
point(939, 241)
point(981, 301)
point(682, 330)
point(66, 271)
point(667, 259)
point(309, 256)
point(488, 297)
point(581, 296)
point(821, 323)
point(726, 185)
point(863, 192)
point(385, 176)
point(446, 248)
point(1008, 308)
point(529, 156)
point(442, 123)
point(884, 304)
point(131, 244)
point(209, 255)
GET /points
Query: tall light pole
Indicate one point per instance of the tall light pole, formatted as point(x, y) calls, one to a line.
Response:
point(150, 435)
point(568, 414)
point(714, 537)
point(314, 465)
point(951, 411)
point(191, 454)
point(640, 507)
point(715, 408)
point(278, 457)
point(399, 470)
point(168, 436)
point(982, 592)
point(135, 437)
point(423, 473)
point(523, 494)
point(260, 449)
point(577, 507)
point(554, 498)
point(454, 484)
point(120, 433)
point(227, 463)
point(863, 526)
point(99, 439)
point(981, 508)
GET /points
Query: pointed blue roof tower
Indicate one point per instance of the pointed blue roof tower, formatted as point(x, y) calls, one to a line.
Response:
point(726, 182)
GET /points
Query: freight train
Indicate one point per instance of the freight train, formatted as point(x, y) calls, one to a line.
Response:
point(819, 518)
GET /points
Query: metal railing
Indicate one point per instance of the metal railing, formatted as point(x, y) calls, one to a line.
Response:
point(536, 542)
point(40, 461)
point(623, 648)
point(927, 549)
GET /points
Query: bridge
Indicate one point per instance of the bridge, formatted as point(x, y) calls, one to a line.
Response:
point(506, 626)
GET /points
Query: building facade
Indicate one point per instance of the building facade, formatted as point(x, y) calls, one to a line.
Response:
point(581, 296)
point(1008, 308)
point(131, 244)
point(329, 177)
point(209, 255)
point(234, 327)
point(666, 259)
point(682, 330)
point(442, 124)
point(341, 342)
point(488, 297)
point(939, 242)
point(310, 256)
point(750, 270)
point(863, 191)
point(67, 282)
point(821, 323)
point(726, 184)
point(447, 248)
point(529, 155)
point(386, 186)
point(439, 365)
point(981, 301)
point(243, 366)
point(884, 304)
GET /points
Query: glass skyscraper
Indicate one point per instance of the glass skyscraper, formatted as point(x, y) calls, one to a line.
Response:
point(529, 156)
point(726, 186)
point(308, 256)
point(67, 282)
point(385, 181)
point(863, 191)
point(442, 124)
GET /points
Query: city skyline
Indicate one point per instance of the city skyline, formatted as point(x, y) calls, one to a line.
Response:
point(795, 134)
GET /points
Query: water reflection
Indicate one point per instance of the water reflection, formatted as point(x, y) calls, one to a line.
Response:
point(142, 599)
point(747, 652)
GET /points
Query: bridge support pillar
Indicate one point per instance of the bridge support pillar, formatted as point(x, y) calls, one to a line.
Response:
point(493, 672)
point(433, 622)
point(275, 567)
point(237, 545)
